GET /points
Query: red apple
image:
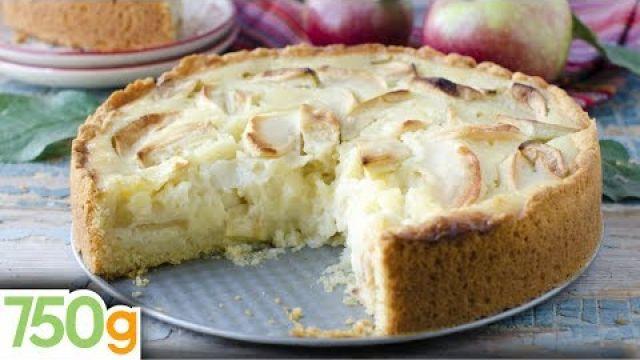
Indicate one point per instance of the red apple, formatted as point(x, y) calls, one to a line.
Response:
point(531, 36)
point(358, 21)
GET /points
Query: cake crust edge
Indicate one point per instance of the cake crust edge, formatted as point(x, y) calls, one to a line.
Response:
point(87, 235)
point(405, 312)
point(465, 275)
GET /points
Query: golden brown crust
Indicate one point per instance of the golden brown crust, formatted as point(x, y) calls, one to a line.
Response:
point(461, 268)
point(132, 92)
point(434, 275)
point(86, 235)
point(412, 125)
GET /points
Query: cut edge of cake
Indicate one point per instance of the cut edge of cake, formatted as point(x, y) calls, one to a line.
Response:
point(556, 233)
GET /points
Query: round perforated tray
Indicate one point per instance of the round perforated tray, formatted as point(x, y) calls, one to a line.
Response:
point(216, 297)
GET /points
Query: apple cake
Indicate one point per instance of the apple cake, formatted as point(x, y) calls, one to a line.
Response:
point(95, 24)
point(459, 189)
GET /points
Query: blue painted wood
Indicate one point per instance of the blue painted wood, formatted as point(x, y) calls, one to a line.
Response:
point(583, 312)
point(622, 111)
point(590, 311)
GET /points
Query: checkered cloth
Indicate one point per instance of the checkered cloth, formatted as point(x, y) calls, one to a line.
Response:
point(277, 23)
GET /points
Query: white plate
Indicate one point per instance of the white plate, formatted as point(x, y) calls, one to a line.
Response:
point(216, 297)
point(98, 78)
point(205, 23)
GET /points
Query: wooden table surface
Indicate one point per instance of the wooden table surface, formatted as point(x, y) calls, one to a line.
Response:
point(599, 315)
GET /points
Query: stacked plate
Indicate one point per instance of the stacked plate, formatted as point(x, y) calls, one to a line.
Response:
point(208, 26)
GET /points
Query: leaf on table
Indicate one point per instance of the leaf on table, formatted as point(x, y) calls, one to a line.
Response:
point(621, 176)
point(56, 150)
point(617, 55)
point(36, 126)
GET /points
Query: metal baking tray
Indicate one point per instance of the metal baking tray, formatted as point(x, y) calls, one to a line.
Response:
point(216, 297)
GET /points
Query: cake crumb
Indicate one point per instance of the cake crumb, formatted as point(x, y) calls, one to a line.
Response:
point(248, 312)
point(295, 314)
point(337, 274)
point(140, 281)
point(277, 300)
point(271, 321)
point(358, 329)
point(20, 37)
point(341, 274)
point(136, 294)
point(621, 321)
point(247, 255)
point(351, 296)
point(237, 298)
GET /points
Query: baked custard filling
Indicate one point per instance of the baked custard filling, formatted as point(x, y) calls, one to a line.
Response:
point(290, 151)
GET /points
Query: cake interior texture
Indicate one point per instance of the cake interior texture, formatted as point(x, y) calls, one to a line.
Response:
point(396, 152)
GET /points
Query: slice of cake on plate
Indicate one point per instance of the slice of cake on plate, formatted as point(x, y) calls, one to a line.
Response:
point(98, 25)
point(461, 189)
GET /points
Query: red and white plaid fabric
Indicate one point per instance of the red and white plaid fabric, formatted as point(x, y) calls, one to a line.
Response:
point(277, 23)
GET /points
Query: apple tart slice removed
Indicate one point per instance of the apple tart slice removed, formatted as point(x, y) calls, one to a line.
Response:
point(460, 189)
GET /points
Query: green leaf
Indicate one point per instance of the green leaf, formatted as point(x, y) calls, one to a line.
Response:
point(612, 150)
point(617, 55)
point(621, 176)
point(31, 124)
point(582, 31)
point(57, 149)
point(623, 57)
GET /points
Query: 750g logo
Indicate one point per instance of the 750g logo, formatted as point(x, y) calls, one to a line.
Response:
point(56, 323)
